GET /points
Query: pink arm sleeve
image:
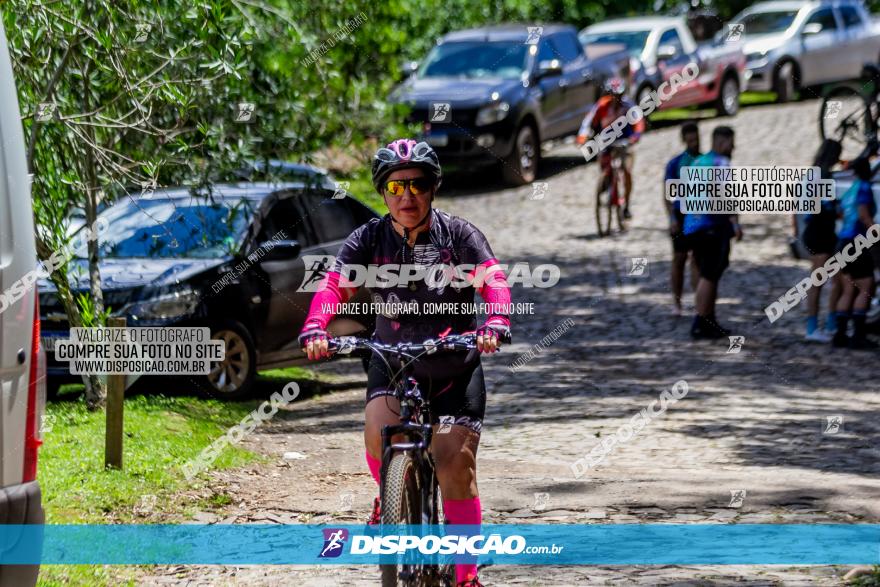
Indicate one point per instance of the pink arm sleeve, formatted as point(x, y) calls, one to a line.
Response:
point(495, 290)
point(325, 300)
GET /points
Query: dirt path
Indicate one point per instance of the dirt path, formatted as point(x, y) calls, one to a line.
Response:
point(751, 421)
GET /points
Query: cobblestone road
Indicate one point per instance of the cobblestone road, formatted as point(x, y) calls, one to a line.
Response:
point(752, 421)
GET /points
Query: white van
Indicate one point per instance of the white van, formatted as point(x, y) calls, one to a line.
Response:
point(22, 362)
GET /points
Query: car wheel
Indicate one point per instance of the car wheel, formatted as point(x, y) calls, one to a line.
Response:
point(784, 84)
point(233, 377)
point(522, 167)
point(728, 97)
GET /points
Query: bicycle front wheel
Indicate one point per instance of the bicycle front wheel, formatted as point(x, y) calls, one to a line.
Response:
point(618, 202)
point(604, 210)
point(402, 505)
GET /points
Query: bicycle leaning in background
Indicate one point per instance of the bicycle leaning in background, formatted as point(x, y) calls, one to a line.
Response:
point(850, 114)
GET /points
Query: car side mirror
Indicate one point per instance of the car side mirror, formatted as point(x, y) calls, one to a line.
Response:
point(548, 68)
point(408, 68)
point(278, 250)
point(814, 28)
point(665, 52)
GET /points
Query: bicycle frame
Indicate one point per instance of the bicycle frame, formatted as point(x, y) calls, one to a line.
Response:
point(419, 435)
point(615, 171)
point(415, 426)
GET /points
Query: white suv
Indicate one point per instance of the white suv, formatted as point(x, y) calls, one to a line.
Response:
point(22, 362)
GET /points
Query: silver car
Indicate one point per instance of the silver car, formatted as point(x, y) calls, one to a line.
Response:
point(792, 45)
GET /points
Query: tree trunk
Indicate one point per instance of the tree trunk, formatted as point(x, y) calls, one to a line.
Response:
point(96, 393)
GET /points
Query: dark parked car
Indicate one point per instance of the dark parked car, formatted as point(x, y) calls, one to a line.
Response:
point(496, 93)
point(277, 170)
point(181, 259)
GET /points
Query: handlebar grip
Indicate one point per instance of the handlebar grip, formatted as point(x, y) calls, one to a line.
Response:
point(503, 334)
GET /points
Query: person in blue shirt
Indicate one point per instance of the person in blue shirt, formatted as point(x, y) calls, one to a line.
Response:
point(690, 136)
point(857, 207)
point(817, 232)
point(709, 238)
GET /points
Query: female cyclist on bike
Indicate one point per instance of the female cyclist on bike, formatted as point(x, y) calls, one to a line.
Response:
point(407, 174)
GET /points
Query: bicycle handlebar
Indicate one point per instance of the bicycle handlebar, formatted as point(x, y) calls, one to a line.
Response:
point(345, 345)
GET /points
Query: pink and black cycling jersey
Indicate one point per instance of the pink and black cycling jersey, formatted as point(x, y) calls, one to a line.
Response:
point(450, 241)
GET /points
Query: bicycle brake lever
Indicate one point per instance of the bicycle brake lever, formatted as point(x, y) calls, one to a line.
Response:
point(345, 345)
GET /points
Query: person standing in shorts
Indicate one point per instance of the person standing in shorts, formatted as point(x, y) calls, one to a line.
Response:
point(690, 136)
point(709, 238)
point(816, 231)
point(858, 209)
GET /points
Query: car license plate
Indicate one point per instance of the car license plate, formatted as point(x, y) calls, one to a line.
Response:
point(437, 140)
point(47, 340)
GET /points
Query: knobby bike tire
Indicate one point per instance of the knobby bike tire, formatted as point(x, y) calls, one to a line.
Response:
point(618, 209)
point(863, 120)
point(401, 504)
point(603, 210)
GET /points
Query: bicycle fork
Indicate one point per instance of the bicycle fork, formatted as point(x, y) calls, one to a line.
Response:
point(419, 439)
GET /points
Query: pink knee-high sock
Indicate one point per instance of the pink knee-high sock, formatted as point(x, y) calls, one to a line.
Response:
point(464, 511)
point(374, 464)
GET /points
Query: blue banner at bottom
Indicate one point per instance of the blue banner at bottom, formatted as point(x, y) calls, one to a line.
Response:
point(519, 544)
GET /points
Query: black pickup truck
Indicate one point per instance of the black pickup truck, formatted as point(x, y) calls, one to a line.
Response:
point(492, 95)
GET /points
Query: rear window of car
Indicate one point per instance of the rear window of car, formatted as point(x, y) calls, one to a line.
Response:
point(672, 39)
point(825, 17)
point(568, 47)
point(283, 216)
point(632, 41)
point(361, 213)
point(850, 16)
point(332, 219)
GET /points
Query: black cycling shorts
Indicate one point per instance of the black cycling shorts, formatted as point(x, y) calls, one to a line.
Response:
point(461, 396)
point(819, 237)
point(860, 267)
point(711, 251)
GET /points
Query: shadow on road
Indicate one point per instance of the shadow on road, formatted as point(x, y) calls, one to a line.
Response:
point(771, 400)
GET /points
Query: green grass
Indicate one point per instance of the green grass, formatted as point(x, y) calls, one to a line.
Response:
point(86, 575)
point(871, 580)
point(677, 114)
point(161, 434)
point(362, 189)
point(754, 98)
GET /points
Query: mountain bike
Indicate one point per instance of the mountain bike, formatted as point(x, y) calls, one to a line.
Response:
point(609, 202)
point(409, 492)
point(850, 113)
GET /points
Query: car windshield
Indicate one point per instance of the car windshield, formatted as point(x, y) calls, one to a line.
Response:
point(172, 227)
point(505, 60)
point(633, 41)
point(762, 23)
